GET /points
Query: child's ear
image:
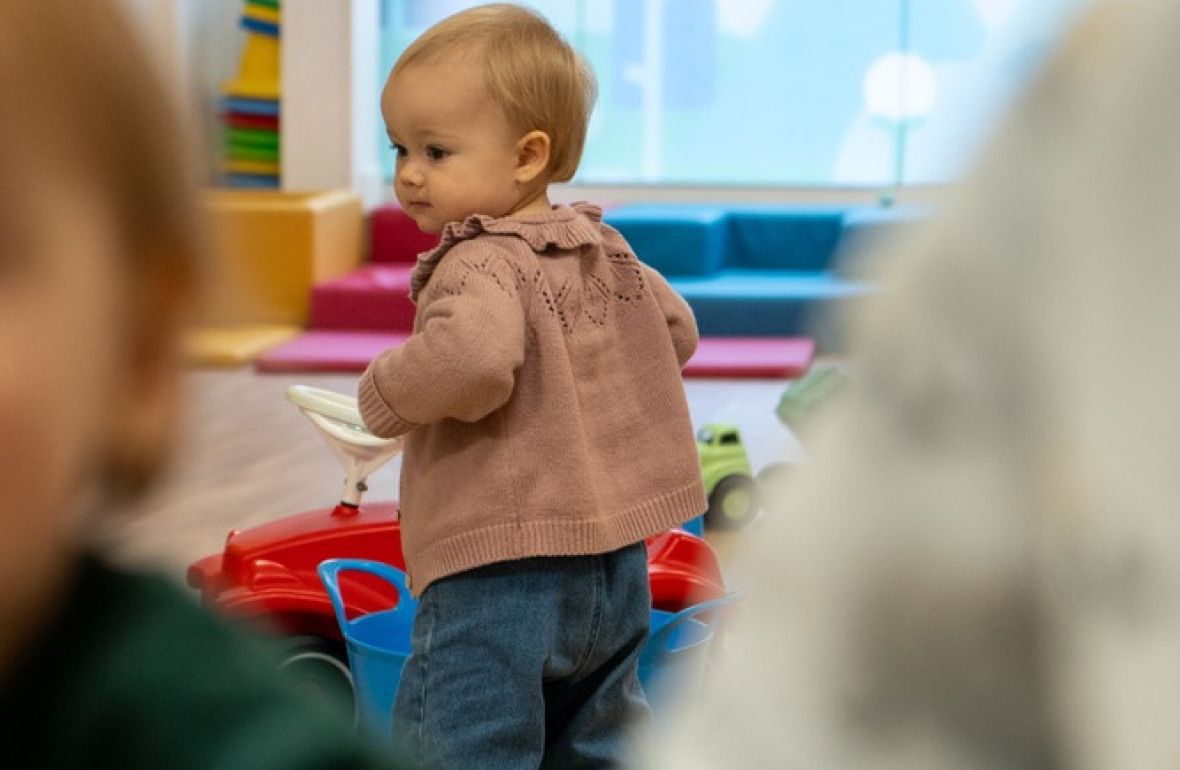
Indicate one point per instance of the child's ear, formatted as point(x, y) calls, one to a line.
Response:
point(532, 156)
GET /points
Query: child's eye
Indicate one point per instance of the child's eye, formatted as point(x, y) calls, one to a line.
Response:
point(436, 153)
point(399, 149)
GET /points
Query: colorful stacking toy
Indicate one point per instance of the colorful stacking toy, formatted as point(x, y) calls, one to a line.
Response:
point(251, 103)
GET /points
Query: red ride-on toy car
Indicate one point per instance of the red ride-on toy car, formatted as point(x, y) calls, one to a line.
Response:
point(268, 573)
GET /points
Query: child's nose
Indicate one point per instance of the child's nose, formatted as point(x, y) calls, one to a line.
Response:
point(410, 174)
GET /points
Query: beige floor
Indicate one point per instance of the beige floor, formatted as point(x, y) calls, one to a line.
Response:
point(248, 456)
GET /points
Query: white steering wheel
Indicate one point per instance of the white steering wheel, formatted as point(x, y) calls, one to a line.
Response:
point(339, 421)
point(341, 417)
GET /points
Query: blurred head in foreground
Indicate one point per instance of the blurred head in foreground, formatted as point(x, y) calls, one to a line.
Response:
point(97, 250)
point(978, 567)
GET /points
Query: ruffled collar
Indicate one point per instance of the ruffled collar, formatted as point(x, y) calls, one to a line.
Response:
point(566, 227)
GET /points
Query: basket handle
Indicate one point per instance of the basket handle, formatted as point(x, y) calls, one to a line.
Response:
point(661, 640)
point(330, 570)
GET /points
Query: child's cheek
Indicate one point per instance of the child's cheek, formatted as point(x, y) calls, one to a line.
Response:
point(39, 455)
point(58, 348)
point(47, 459)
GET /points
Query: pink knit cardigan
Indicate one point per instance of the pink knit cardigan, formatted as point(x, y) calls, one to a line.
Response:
point(541, 395)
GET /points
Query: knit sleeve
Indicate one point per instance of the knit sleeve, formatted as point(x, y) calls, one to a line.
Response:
point(461, 361)
point(681, 322)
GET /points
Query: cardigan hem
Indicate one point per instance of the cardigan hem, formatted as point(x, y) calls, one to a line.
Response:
point(523, 539)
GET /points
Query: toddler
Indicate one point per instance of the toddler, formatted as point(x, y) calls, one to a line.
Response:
point(547, 428)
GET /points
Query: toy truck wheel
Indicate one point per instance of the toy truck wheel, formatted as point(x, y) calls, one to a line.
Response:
point(320, 667)
point(733, 503)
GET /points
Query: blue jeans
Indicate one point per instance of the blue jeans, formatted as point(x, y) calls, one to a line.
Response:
point(527, 664)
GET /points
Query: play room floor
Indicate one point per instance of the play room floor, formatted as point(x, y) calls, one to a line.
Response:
point(246, 456)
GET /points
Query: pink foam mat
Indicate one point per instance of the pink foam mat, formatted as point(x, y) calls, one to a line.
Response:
point(327, 351)
point(750, 358)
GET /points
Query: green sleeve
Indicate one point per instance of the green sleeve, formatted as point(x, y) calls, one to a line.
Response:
point(133, 674)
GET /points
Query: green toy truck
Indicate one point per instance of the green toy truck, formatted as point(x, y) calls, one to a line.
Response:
point(729, 480)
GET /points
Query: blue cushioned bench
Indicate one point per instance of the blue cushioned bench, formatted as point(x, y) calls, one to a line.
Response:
point(764, 303)
point(675, 239)
point(783, 238)
point(755, 270)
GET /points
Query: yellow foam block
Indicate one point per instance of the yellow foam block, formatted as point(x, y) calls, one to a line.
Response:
point(233, 345)
point(270, 248)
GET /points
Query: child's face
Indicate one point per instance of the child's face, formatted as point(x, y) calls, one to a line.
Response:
point(62, 291)
point(456, 154)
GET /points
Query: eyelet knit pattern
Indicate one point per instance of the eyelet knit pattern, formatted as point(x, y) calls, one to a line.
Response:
point(541, 396)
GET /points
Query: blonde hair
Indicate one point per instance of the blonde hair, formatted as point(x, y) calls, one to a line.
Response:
point(534, 75)
point(82, 102)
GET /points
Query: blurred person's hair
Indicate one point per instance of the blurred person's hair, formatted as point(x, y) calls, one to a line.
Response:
point(83, 97)
point(84, 103)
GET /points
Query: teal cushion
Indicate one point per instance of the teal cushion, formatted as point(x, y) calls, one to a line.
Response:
point(792, 238)
point(675, 239)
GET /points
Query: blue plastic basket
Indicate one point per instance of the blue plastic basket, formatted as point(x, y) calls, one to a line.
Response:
point(670, 665)
point(673, 659)
point(378, 643)
point(695, 526)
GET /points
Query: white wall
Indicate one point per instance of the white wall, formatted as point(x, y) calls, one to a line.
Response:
point(330, 96)
point(197, 44)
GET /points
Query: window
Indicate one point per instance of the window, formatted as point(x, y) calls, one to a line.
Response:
point(865, 93)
